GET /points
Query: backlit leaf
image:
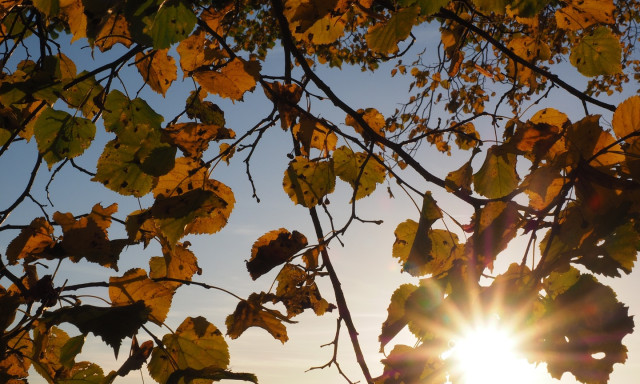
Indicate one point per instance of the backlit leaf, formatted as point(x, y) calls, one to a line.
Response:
point(178, 262)
point(298, 292)
point(114, 31)
point(32, 241)
point(158, 69)
point(586, 137)
point(193, 138)
point(427, 7)
point(497, 177)
point(384, 37)
point(83, 373)
point(396, 317)
point(285, 97)
point(559, 282)
point(187, 201)
point(60, 135)
point(87, 238)
point(82, 96)
point(72, 12)
point(626, 118)
point(549, 116)
point(113, 324)
point(494, 227)
point(351, 167)
point(196, 51)
point(48, 7)
point(324, 31)
point(581, 14)
point(374, 119)
point(232, 80)
point(131, 120)
point(312, 134)
point(15, 364)
point(420, 252)
point(119, 170)
point(196, 344)
point(585, 320)
point(598, 53)
point(460, 179)
point(542, 186)
point(135, 286)
point(173, 22)
point(272, 249)
point(308, 181)
point(250, 313)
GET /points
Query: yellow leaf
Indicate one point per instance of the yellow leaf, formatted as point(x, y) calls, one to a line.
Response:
point(308, 181)
point(187, 176)
point(384, 37)
point(135, 286)
point(581, 14)
point(626, 118)
point(114, 31)
point(73, 13)
point(549, 116)
point(232, 80)
point(158, 69)
point(196, 344)
point(351, 167)
point(285, 97)
point(214, 17)
point(178, 262)
point(32, 241)
point(374, 119)
point(312, 134)
point(196, 51)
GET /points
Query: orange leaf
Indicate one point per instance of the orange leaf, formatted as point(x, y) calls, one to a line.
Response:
point(232, 80)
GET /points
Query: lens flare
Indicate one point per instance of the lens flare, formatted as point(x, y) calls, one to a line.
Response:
point(487, 354)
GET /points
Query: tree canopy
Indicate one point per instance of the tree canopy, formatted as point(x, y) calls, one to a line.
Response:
point(481, 75)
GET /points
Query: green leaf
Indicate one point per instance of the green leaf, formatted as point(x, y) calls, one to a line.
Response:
point(70, 350)
point(196, 344)
point(48, 7)
point(173, 23)
point(384, 37)
point(427, 7)
point(160, 160)
point(83, 373)
point(497, 177)
point(307, 182)
point(120, 170)
point(112, 324)
point(131, 120)
point(82, 96)
point(214, 374)
point(497, 6)
point(351, 167)
point(60, 135)
point(598, 53)
point(559, 282)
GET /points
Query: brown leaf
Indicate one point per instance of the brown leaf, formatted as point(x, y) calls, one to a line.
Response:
point(193, 138)
point(250, 313)
point(272, 249)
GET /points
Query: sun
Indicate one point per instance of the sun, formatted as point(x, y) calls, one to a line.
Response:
point(486, 353)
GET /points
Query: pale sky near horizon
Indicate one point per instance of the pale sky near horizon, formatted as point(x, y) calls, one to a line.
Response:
point(369, 273)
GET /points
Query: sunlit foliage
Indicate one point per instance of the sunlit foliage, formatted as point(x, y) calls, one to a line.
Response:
point(570, 189)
